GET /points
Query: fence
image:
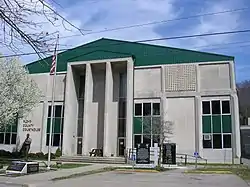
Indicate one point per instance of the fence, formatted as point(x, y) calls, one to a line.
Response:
point(245, 143)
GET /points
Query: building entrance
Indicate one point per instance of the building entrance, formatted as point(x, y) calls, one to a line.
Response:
point(121, 146)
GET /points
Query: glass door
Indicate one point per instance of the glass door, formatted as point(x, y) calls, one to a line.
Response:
point(121, 147)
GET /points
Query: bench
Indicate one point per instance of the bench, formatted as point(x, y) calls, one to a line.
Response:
point(96, 152)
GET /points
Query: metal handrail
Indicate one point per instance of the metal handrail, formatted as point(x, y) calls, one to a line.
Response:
point(184, 156)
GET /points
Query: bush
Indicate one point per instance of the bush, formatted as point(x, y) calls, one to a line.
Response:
point(5, 154)
point(52, 156)
point(40, 155)
point(58, 152)
point(159, 168)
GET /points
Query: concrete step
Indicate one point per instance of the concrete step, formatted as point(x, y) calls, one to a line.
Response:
point(108, 160)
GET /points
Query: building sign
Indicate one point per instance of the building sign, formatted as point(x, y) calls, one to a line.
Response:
point(28, 126)
point(32, 168)
point(16, 166)
point(143, 154)
point(169, 153)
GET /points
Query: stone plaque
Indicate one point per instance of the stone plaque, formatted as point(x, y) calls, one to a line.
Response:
point(32, 168)
point(143, 154)
point(169, 153)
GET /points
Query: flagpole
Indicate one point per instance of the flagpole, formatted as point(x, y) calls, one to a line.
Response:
point(52, 106)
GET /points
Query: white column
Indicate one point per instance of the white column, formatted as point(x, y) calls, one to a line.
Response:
point(70, 115)
point(110, 119)
point(130, 104)
point(88, 137)
point(164, 105)
point(198, 125)
point(236, 146)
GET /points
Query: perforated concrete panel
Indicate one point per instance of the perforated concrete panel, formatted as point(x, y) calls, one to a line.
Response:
point(180, 78)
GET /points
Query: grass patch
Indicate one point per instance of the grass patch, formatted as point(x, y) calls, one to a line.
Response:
point(239, 170)
point(84, 173)
point(158, 169)
point(213, 164)
point(69, 165)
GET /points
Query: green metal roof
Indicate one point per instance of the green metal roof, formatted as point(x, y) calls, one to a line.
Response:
point(144, 55)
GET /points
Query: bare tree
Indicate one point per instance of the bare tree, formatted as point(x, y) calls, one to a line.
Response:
point(243, 91)
point(19, 93)
point(160, 131)
point(30, 22)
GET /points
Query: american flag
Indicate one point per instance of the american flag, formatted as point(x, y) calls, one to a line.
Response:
point(54, 59)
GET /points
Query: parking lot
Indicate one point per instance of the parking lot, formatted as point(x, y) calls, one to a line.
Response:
point(170, 178)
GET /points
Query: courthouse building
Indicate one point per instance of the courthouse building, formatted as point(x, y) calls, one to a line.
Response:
point(108, 90)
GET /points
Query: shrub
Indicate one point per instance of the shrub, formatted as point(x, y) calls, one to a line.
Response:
point(5, 154)
point(58, 152)
point(40, 155)
point(159, 168)
point(52, 156)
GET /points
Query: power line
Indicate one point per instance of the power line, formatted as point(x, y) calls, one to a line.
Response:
point(146, 40)
point(159, 22)
point(229, 43)
point(149, 23)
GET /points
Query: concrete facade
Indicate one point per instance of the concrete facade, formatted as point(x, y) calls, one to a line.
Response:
point(179, 88)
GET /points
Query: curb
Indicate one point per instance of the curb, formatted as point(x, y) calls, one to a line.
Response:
point(207, 172)
point(137, 170)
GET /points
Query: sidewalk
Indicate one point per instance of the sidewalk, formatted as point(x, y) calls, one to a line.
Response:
point(39, 178)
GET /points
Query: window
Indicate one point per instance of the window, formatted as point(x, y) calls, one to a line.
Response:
point(215, 107)
point(122, 127)
point(207, 141)
point(137, 140)
point(122, 117)
point(206, 107)
point(138, 109)
point(57, 126)
point(146, 109)
point(216, 124)
point(225, 107)
point(147, 123)
point(156, 108)
point(8, 134)
point(217, 144)
point(227, 140)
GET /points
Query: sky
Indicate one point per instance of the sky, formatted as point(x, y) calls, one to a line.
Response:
point(99, 15)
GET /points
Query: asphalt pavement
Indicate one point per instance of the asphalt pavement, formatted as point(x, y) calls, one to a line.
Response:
point(169, 178)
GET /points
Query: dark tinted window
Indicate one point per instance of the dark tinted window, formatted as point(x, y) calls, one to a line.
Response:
point(147, 140)
point(122, 128)
point(138, 109)
point(13, 139)
point(122, 109)
point(146, 109)
point(56, 140)
point(207, 143)
point(7, 138)
point(156, 108)
point(227, 141)
point(206, 107)
point(1, 138)
point(215, 107)
point(58, 111)
point(137, 140)
point(225, 107)
point(217, 144)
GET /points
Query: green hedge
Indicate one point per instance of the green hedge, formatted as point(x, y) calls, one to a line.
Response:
point(17, 155)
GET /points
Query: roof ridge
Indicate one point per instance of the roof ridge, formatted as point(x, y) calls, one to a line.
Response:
point(167, 47)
